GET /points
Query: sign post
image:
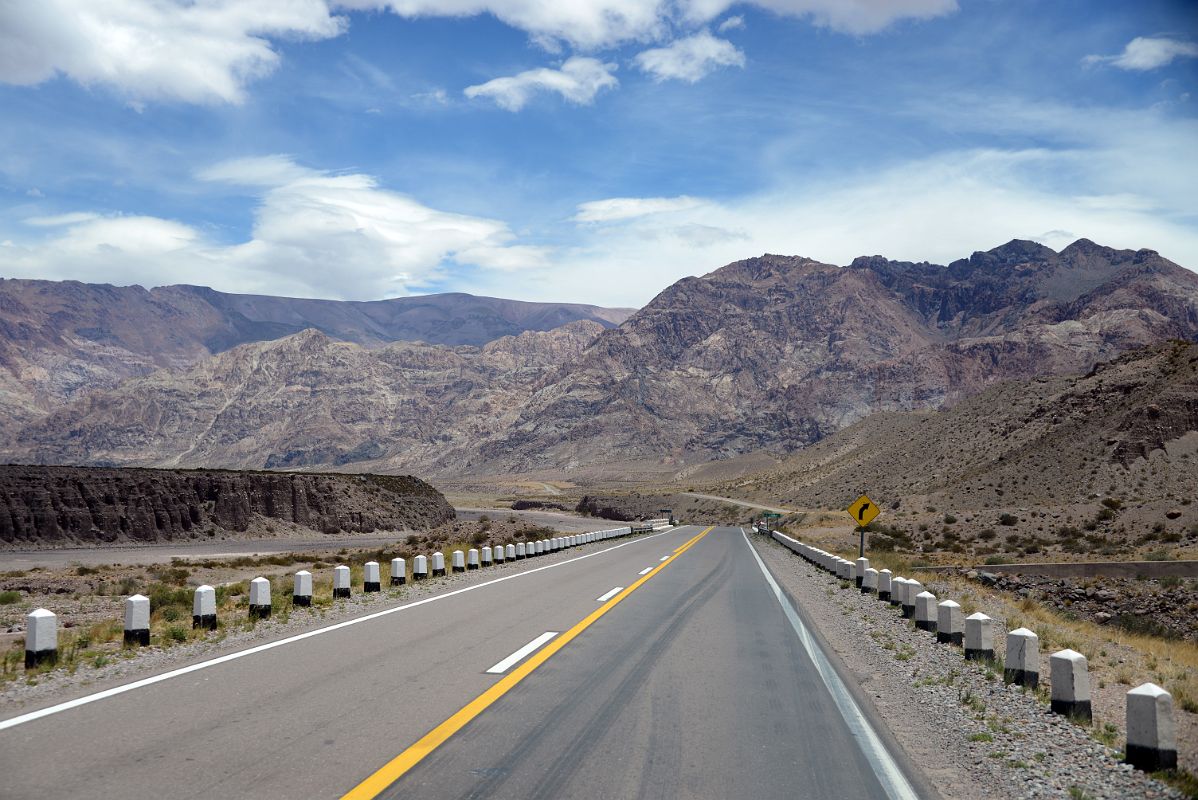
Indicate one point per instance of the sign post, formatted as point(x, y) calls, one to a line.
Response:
point(863, 511)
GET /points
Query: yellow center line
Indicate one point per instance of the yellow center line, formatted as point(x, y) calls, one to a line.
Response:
point(394, 769)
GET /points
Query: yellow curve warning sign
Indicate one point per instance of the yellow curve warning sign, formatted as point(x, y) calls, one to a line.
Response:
point(863, 510)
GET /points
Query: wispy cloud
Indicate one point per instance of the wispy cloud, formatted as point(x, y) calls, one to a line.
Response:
point(1145, 53)
point(621, 208)
point(690, 59)
point(578, 81)
point(731, 24)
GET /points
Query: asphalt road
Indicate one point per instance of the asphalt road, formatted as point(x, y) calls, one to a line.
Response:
point(161, 553)
point(693, 682)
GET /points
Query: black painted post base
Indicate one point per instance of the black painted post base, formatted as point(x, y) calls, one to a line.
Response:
point(372, 586)
point(259, 612)
point(972, 654)
point(520, 557)
point(950, 638)
point(140, 637)
point(301, 600)
point(399, 580)
point(472, 566)
point(1021, 677)
point(1074, 709)
point(908, 612)
point(884, 597)
point(438, 573)
point(206, 621)
point(925, 625)
point(341, 592)
point(419, 576)
point(459, 569)
point(894, 601)
point(866, 590)
point(35, 659)
point(1150, 759)
point(858, 579)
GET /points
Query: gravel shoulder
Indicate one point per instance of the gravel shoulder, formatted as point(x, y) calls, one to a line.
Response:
point(973, 737)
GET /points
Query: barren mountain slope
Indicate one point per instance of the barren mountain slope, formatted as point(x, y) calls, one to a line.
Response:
point(307, 400)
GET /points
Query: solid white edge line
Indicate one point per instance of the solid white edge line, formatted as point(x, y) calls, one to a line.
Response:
point(895, 784)
point(603, 598)
point(645, 571)
point(510, 661)
point(128, 687)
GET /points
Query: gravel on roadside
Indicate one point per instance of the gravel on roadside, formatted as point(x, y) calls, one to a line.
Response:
point(973, 737)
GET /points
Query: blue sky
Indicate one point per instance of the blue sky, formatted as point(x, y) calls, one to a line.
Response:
point(590, 151)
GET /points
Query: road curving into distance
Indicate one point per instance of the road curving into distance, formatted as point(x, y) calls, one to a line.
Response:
point(668, 665)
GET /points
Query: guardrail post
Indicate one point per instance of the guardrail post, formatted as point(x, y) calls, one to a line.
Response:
point(950, 624)
point(486, 555)
point(438, 564)
point(371, 581)
point(510, 552)
point(41, 638)
point(341, 581)
point(203, 608)
point(925, 611)
point(371, 577)
point(896, 591)
point(458, 561)
point(1151, 735)
point(1022, 664)
point(472, 559)
point(859, 572)
point(301, 594)
point(1070, 685)
point(137, 620)
point(419, 568)
point(884, 585)
point(498, 552)
point(520, 552)
point(399, 572)
point(870, 582)
point(912, 591)
point(979, 637)
point(259, 598)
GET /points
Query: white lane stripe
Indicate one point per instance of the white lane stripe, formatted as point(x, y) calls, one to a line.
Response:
point(128, 687)
point(887, 771)
point(645, 571)
point(603, 598)
point(510, 661)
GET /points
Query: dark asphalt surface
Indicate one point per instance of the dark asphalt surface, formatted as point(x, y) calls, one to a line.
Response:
point(693, 687)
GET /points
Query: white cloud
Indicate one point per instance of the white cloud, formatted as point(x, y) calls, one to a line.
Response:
point(578, 81)
point(614, 209)
point(732, 23)
point(845, 16)
point(154, 49)
point(1146, 53)
point(315, 234)
point(690, 59)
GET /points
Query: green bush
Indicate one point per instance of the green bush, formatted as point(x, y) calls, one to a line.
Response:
point(7, 598)
point(1007, 519)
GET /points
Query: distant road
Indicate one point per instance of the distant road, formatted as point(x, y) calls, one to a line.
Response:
point(161, 553)
point(744, 503)
point(669, 666)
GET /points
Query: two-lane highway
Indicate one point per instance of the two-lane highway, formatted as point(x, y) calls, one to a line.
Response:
point(584, 679)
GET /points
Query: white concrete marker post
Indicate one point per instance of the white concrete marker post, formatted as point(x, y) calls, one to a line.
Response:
point(870, 582)
point(925, 612)
point(41, 638)
point(950, 623)
point(884, 585)
point(472, 559)
point(520, 552)
point(340, 581)
point(203, 608)
point(979, 637)
point(1070, 685)
point(371, 580)
point(859, 572)
point(438, 564)
point(540, 547)
point(419, 568)
point(498, 553)
point(912, 591)
point(301, 595)
point(259, 598)
point(458, 562)
point(1151, 735)
point(137, 620)
point(510, 552)
point(896, 591)
point(486, 555)
point(399, 572)
point(1022, 665)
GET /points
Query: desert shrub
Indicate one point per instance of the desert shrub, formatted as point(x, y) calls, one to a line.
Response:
point(1114, 504)
point(996, 560)
point(949, 519)
point(987, 535)
point(1007, 519)
point(1159, 555)
point(8, 597)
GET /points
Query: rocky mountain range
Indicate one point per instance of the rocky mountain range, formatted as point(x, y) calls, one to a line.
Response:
point(62, 339)
point(772, 353)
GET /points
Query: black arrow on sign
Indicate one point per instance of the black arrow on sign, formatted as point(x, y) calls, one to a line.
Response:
point(861, 511)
